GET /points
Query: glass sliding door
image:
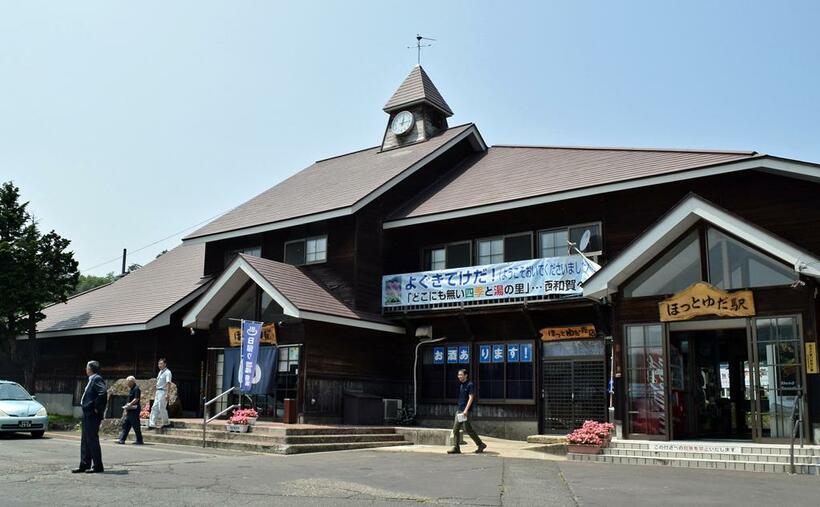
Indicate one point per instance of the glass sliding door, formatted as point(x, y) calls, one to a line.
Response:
point(777, 371)
point(647, 413)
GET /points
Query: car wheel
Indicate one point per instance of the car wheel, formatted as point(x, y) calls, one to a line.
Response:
point(37, 434)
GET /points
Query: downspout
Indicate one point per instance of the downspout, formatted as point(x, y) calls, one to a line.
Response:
point(415, 371)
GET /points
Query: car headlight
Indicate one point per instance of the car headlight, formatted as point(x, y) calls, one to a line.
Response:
point(42, 412)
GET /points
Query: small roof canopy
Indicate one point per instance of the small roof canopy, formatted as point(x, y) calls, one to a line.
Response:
point(291, 288)
point(674, 224)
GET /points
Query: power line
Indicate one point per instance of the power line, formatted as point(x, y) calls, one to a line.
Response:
point(119, 257)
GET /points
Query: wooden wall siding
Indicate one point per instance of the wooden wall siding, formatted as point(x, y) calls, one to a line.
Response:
point(324, 397)
point(339, 359)
point(344, 352)
point(784, 206)
point(62, 360)
point(481, 411)
point(368, 260)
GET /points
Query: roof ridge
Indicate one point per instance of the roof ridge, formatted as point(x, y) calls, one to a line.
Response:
point(379, 146)
point(627, 148)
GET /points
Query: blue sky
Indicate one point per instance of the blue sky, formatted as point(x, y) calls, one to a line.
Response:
point(126, 122)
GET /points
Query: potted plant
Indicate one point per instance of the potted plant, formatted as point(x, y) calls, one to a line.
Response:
point(250, 413)
point(237, 424)
point(590, 438)
point(145, 414)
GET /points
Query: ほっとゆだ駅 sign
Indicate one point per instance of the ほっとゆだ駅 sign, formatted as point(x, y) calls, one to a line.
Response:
point(701, 299)
point(551, 334)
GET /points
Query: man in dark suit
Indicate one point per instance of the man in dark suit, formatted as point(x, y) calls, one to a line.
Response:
point(93, 402)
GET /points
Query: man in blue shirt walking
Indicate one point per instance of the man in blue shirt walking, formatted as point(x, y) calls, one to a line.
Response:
point(466, 397)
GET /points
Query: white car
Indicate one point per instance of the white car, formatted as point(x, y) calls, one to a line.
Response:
point(20, 412)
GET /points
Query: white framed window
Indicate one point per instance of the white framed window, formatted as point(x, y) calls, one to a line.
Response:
point(490, 251)
point(555, 242)
point(311, 250)
point(316, 250)
point(452, 255)
point(509, 248)
point(256, 251)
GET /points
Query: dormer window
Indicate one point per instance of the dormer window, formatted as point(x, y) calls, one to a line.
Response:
point(306, 251)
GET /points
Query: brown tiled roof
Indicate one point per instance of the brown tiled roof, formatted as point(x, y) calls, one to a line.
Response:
point(327, 185)
point(305, 293)
point(417, 87)
point(134, 299)
point(510, 173)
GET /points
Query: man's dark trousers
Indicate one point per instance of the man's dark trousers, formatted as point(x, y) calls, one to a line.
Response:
point(90, 451)
point(468, 429)
point(132, 420)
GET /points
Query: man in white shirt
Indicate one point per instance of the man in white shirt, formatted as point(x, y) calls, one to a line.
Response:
point(159, 410)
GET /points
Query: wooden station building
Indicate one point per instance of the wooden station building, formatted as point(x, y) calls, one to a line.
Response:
point(433, 251)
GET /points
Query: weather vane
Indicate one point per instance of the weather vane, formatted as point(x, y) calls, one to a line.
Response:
point(419, 45)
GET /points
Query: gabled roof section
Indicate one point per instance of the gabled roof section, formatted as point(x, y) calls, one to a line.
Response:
point(298, 294)
point(526, 175)
point(144, 299)
point(674, 224)
point(331, 188)
point(417, 87)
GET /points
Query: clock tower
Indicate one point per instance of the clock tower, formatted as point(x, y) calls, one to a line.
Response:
point(417, 111)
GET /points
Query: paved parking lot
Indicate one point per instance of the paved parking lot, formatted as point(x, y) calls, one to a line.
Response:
point(36, 472)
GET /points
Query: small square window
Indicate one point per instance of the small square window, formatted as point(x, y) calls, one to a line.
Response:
point(306, 251)
point(554, 243)
point(490, 251)
point(316, 250)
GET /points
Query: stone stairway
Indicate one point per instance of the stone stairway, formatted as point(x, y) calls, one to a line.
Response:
point(278, 439)
point(733, 455)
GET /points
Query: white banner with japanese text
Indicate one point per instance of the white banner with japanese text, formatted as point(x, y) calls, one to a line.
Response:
point(521, 279)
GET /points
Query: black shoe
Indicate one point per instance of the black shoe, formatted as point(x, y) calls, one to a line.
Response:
point(168, 426)
point(137, 443)
point(94, 471)
point(79, 470)
point(120, 442)
point(454, 450)
point(481, 448)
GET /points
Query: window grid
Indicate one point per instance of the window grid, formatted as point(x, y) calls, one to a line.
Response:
point(313, 251)
point(490, 251)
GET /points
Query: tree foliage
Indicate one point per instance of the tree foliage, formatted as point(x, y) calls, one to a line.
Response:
point(88, 282)
point(36, 270)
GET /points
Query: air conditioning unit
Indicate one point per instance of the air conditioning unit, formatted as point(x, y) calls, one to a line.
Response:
point(392, 410)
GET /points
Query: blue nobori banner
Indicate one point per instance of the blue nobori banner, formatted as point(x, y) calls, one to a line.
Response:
point(251, 336)
point(521, 279)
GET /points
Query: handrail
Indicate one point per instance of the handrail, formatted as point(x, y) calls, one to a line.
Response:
point(210, 402)
point(797, 423)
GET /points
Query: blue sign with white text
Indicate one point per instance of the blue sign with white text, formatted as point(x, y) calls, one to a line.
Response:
point(464, 354)
point(452, 355)
point(483, 353)
point(438, 355)
point(498, 353)
point(251, 336)
point(526, 352)
point(513, 355)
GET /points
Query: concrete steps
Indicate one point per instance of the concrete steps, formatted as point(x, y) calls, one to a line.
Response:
point(278, 440)
point(709, 455)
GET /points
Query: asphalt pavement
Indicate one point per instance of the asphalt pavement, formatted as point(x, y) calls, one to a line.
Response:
point(37, 472)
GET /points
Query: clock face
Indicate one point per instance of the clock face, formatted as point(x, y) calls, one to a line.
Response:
point(402, 123)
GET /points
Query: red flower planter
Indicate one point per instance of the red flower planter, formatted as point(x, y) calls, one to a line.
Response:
point(584, 449)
